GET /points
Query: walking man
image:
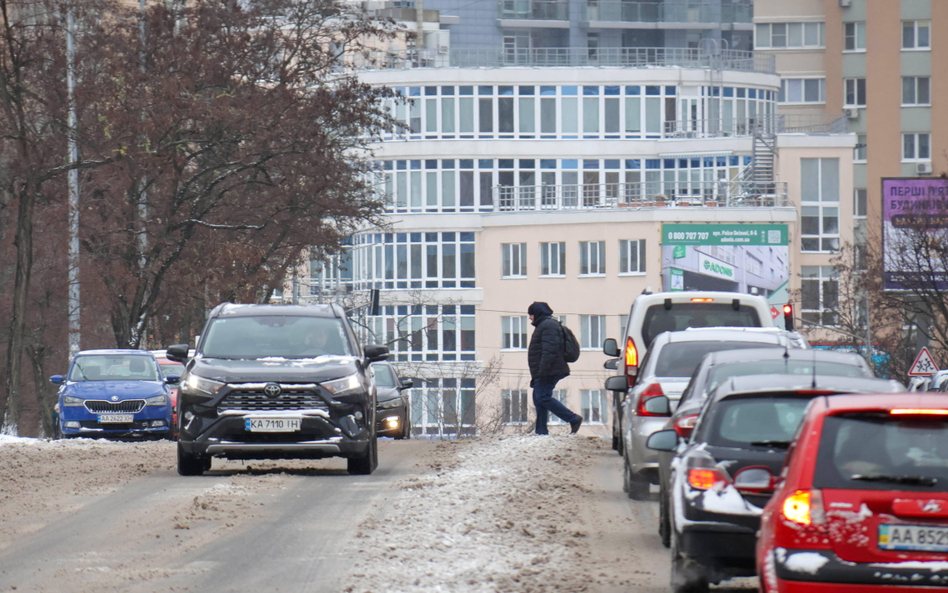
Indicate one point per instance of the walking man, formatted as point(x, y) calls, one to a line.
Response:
point(547, 367)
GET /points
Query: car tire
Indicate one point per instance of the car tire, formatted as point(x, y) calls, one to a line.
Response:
point(365, 464)
point(635, 486)
point(686, 576)
point(192, 465)
point(664, 520)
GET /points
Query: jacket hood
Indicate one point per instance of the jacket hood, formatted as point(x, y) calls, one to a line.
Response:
point(539, 309)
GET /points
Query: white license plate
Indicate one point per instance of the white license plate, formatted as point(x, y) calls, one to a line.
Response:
point(913, 537)
point(116, 418)
point(272, 424)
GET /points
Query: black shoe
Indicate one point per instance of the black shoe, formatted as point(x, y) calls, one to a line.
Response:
point(575, 424)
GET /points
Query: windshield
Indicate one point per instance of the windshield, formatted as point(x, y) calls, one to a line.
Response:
point(680, 359)
point(384, 376)
point(743, 422)
point(875, 451)
point(114, 367)
point(681, 316)
point(782, 366)
point(275, 336)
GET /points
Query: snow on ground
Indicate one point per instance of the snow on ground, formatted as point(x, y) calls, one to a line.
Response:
point(492, 515)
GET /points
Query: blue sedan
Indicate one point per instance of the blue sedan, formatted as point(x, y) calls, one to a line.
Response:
point(114, 394)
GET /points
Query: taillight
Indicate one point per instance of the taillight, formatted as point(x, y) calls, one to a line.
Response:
point(804, 507)
point(631, 360)
point(649, 392)
point(706, 478)
point(919, 412)
point(702, 300)
point(685, 424)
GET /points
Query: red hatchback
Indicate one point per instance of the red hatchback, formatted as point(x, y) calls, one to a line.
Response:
point(864, 501)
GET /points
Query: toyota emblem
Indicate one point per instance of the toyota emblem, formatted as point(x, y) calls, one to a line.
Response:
point(272, 390)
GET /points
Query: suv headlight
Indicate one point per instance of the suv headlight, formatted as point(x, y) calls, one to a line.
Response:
point(392, 403)
point(156, 400)
point(344, 385)
point(200, 385)
point(72, 401)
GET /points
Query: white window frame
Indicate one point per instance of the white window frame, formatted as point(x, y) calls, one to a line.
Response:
point(592, 258)
point(761, 43)
point(826, 209)
point(508, 410)
point(553, 259)
point(917, 145)
point(916, 26)
point(514, 332)
point(824, 277)
point(592, 330)
point(861, 150)
point(594, 406)
point(785, 88)
point(560, 395)
point(514, 260)
point(629, 265)
point(860, 203)
point(854, 92)
point(914, 99)
point(854, 37)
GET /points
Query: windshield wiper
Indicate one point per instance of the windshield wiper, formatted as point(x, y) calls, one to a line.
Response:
point(910, 480)
point(774, 444)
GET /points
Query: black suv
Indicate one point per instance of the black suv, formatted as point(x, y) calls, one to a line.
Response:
point(277, 382)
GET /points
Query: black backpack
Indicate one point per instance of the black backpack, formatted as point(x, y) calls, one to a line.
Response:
point(570, 345)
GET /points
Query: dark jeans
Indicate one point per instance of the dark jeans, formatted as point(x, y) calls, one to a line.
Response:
point(545, 402)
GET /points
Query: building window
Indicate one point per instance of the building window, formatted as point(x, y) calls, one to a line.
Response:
point(916, 34)
point(819, 228)
point(819, 212)
point(424, 333)
point(632, 256)
point(916, 147)
point(592, 258)
point(860, 151)
point(855, 92)
point(916, 90)
point(860, 203)
point(514, 332)
point(819, 295)
point(802, 90)
point(560, 396)
point(592, 329)
point(552, 259)
point(443, 405)
point(855, 36)
point(594, 406)
point(513, 406)
point(789, 35)
point(515, 260)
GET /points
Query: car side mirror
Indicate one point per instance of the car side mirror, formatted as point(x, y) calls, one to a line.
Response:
point(375, 352)
point(172, 380)
point(617, 383)
point(663, 440)
point(406, 383)
point(56, 380)
point(178, 352)
point(657, 406)
point(610, 347)
point(611, 364)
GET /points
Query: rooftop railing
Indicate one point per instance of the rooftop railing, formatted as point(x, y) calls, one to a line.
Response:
point(645, 194)
point(651, 12)
point(537, 10)
point(624, 57)
point(767, 125)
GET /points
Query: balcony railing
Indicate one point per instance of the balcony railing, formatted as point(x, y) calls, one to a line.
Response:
point(651, 12)
point(624, 57)
point(645, 194)
point(766, 125)
point(537, 10)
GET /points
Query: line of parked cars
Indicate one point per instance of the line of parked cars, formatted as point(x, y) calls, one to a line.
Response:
point(775, 459)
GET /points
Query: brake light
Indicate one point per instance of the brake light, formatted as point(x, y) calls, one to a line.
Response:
point(918, 412)
point(685, 424)
point(804, 507)
point(702, 300)
point(631, 354)
point(706, 478)
point(651, 391)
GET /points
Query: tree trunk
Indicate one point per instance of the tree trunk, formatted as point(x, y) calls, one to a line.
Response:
point(21, 289)
point(45, 396)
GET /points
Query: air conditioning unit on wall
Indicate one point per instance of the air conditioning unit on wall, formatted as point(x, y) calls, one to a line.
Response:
point(845, 3)
point(923, 168)
point(851, 113)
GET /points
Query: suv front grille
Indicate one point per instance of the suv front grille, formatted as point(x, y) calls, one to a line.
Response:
point(256, 400)
point(101, 406)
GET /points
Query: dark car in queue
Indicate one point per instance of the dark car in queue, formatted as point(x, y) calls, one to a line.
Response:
point(716, 367)
point(392, 410)
point(114, 394)
point(723, 477)
point(665, 371)
point(863, 506)
point(277, 382)
point(171, 372)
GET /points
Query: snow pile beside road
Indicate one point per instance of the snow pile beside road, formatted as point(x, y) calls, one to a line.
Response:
point(492, 515)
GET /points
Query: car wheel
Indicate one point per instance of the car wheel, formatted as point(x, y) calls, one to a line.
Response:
point(366, 463)
point(664, 521)
point(636, 486)
point(686, 575)
point(192, 465)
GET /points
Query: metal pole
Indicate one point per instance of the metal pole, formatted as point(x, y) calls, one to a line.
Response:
point(143, 198)
point(868, 334)
point(73, 190)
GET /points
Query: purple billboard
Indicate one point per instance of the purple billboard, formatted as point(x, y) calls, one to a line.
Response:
point(914, 229)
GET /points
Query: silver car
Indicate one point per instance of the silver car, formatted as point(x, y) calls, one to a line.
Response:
point(666, 370)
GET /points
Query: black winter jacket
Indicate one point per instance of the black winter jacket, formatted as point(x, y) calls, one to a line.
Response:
point(545, 354)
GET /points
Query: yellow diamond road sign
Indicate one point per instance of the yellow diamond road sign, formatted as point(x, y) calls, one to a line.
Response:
point(924, 364)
